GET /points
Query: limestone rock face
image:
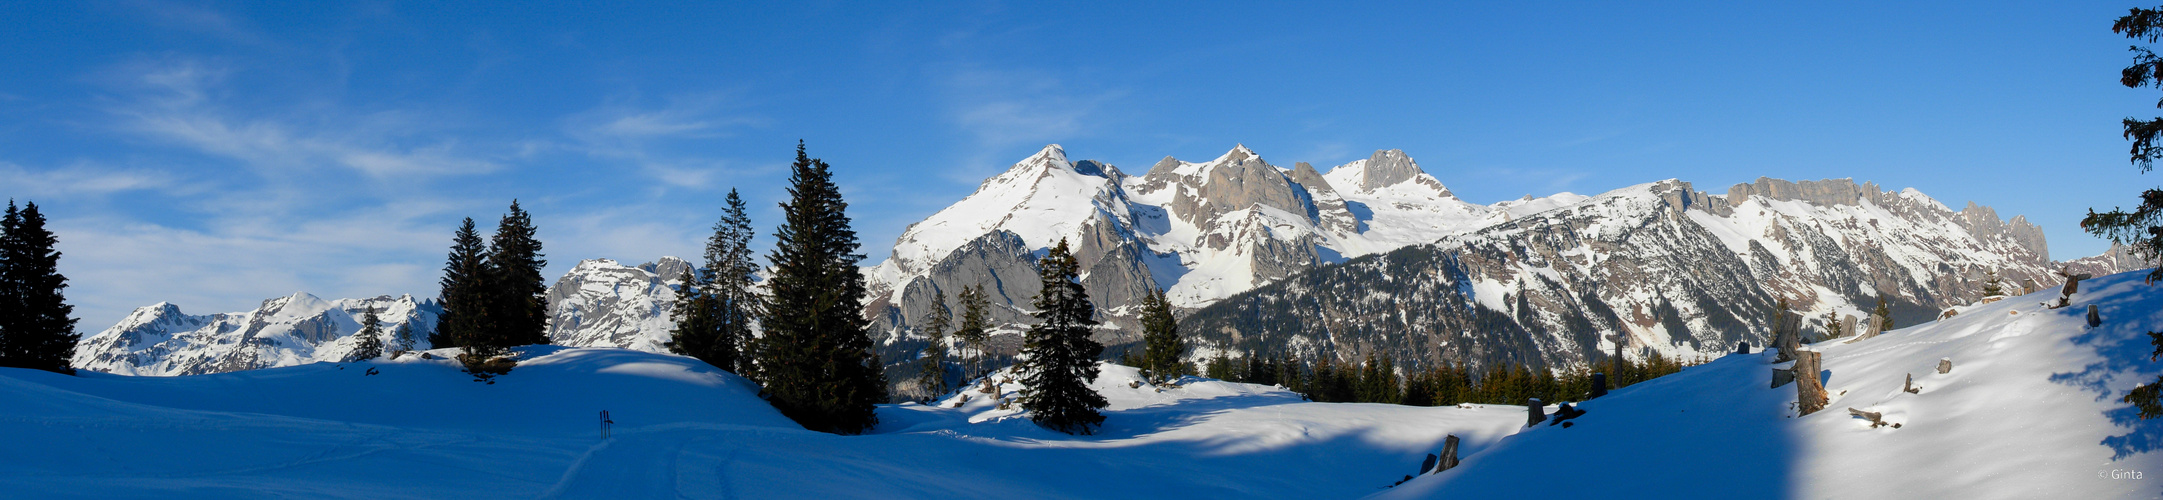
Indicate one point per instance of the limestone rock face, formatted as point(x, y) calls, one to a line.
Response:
point(161, 340)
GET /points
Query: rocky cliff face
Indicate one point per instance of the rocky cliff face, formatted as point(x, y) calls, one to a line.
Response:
point(1656, 267)
point(161, 340)
point(598, 303)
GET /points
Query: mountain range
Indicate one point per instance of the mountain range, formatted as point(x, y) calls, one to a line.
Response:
point(1372, 256)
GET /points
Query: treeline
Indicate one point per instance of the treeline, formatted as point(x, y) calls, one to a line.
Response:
point(1379, 381)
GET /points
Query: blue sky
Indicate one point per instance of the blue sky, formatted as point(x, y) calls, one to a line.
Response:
point(217, 154)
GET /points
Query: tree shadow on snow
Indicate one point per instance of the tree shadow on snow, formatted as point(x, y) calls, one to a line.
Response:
point(2125, 348)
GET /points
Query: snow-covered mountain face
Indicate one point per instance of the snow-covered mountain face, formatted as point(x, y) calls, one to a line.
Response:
point(599, 303)
point(1656, 266)
point(297, 329)
point(1200, 231)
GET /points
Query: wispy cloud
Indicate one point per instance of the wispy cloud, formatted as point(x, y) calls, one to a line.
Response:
point(1006, 109)
point(81, 178)
point(624, 132)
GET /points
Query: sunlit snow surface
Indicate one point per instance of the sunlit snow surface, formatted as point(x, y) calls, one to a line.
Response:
point(2029, 410)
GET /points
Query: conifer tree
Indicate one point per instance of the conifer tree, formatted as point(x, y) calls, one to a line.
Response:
point(519, 312)
point(402, 340)
point(2141, 230)
point(368, 344)
point(1885, 315)
point(730, 284)
point(698, 331)
point(1993, 286)
point(931, 374)
point(815, 357)
point(1160, 337)
point(35, 330)
point(466, 281)
point(1832, 325)
point(975, 330)
point(1061, 358)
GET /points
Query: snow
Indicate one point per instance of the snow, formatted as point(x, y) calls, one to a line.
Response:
point(2030, 410)
point(424, 429)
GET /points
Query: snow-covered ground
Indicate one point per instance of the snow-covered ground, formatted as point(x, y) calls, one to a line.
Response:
point(2029, 410)
point(423, 429)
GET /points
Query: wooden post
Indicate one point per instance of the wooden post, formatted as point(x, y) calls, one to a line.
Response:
point(1535, 412)
point(1909, 386)
point(1809, 391)
point(1449, 454)
point(2095, 319)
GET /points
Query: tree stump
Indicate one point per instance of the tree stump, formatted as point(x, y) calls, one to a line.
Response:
point(1535, 412)
point(1565, 413)
point(1847, 326)
point(1448, 459)
point(1809, 391)
point(1945, 365)
point(1787, 335)
point(1782, 376)
point(2095, 318)
point(1427, 466)
point(1599, 385)
point(1871, 328)
point(1742, 347)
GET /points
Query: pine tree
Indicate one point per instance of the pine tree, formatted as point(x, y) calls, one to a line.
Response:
point(35, 330)
point(698, 332)
point(975, 330)
point(368, 344)
point(1061, 359)
point(519, 309)
point(815, 357)
point(1885, 315)
point(402, 340)
point(931, 374)
point(1163, 347)
point(2141, 229)
point(1993, 286)
point(466, 281)
point(1832, 325)
point(731, 283)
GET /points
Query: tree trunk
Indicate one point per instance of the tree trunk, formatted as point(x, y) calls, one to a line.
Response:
point(1449, 454)
point(1787, 335)
point(1535, 412)
point(1809, 391)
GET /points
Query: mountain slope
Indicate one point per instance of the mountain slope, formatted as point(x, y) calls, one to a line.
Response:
point(1657, 267)
point(2029, 410)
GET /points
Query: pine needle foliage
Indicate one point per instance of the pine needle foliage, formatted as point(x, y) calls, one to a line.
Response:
point(975, 330)
point(466, 281)
point(1162, 345)
point(815, 358)
point(521, 297)
point(1060, 360)
point(931, 369)
point(35, 328)
point(368, 344)
point(2142, 228)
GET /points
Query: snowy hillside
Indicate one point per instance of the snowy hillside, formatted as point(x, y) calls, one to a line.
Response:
point(2029, 410)
point(422, 429)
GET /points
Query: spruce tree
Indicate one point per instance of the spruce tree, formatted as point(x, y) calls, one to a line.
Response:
point(402, 340)
point(466, 281)
point(519, 309)
point(1163, 347)
point(931, 369)
point(730, 284)
point(815, 356)
point(1993, 286)
point(975, 330)
point(2141, 229)
point(698, 331)
point(1885, 315)
point(368, 343)
point(1061, 359)
point(36, 332)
